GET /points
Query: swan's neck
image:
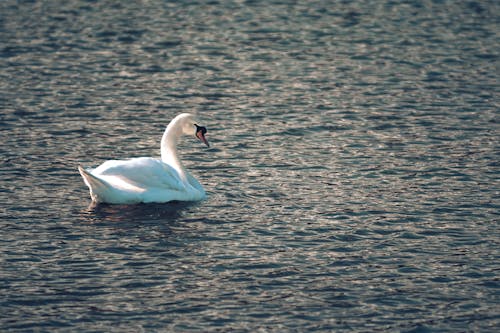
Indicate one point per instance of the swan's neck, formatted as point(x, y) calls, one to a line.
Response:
point(169, 150)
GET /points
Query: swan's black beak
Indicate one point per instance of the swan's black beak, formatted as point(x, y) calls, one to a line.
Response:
point(200, 134)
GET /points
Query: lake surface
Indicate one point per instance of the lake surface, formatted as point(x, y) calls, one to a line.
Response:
point(352, 177)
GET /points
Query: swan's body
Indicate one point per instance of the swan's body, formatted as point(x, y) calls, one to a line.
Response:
point(146, 179)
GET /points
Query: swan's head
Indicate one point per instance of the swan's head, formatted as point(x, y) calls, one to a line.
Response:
point(189, 127)
point(200, 134)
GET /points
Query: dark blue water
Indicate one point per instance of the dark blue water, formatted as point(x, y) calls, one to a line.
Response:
point(352, 181)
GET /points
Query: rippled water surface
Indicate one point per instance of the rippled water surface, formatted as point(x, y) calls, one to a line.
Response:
point(352, 180)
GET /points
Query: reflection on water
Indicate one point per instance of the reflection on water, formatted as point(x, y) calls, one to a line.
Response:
point(352, 176)
point(142, 213)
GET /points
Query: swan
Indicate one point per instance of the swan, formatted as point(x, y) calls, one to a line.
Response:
point(147, 179)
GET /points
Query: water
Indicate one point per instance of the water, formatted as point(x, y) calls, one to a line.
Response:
point(352, 178)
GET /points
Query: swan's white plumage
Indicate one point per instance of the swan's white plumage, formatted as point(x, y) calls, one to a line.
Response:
point(146, 179)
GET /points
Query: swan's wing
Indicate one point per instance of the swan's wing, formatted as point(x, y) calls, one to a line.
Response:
point(142, 172)
point(94, 184)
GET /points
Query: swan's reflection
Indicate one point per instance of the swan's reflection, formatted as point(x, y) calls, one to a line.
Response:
point(142, 223)
point(139, 214)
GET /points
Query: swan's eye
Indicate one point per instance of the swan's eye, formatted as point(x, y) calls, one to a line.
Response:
point(200, 134)
point(201, 129)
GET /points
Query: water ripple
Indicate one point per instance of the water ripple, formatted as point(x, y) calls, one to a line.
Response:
point(352, 175)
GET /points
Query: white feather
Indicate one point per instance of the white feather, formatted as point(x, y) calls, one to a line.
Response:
point(146, 179)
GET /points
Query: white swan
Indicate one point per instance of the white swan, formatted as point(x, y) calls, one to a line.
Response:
point(146, 179)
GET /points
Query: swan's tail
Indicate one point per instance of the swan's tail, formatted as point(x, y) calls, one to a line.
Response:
point(94, 184)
